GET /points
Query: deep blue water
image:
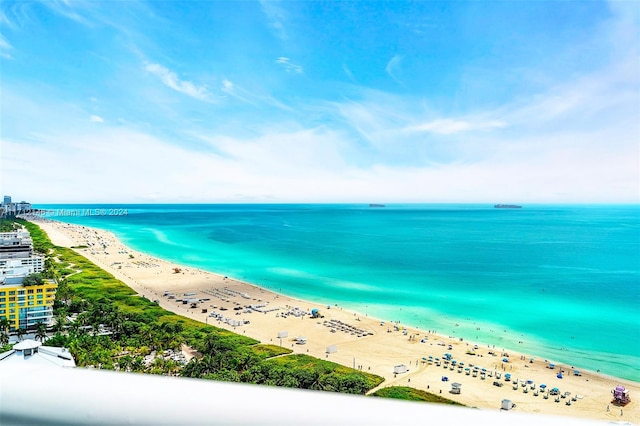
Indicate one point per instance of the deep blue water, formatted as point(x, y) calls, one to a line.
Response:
point(564, 280)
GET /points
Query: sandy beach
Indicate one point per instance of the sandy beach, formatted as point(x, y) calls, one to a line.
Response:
point(376, 345)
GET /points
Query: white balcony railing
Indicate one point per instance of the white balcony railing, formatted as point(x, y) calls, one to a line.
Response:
point(73, 396)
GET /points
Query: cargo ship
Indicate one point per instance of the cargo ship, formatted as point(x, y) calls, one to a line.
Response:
point(507, 206)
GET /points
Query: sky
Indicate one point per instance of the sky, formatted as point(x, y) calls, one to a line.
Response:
point(332, 101)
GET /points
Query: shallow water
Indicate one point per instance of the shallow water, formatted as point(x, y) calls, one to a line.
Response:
point(562, 282)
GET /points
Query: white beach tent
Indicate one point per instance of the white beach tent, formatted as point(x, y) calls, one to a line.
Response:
point(400, 369)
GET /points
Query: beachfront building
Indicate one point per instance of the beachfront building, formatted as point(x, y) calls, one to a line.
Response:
point(23, 305)
point(15, 244)
point(35, 353)
point(9, 208)
point(29, 265)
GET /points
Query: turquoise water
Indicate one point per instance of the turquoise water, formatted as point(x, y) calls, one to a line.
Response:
point(561, 282)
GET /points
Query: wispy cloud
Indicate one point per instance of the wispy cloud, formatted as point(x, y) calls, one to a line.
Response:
point(349, 74)
point(289, 66)
point(275, 16)
point(96, 119)
point(172, 80)
point(66, 8)
point(4, 48)
point(450, 126)
point(393, 67)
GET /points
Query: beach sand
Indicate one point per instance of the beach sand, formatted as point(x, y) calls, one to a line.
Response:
point(377, 346)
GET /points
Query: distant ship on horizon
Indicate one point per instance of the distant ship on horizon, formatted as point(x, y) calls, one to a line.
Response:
point(376, 205)
point(507, 206)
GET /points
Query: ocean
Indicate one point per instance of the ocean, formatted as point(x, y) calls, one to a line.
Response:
point(558, 281)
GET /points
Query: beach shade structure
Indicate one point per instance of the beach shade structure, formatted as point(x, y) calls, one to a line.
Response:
point(456, 387)
point(543, 386)
point(454, 362)
point(332, 349)
point(559, 375)
point(577, 373)
point(552, 366)
point(445, 379)
point(555, 391)
point(400, 369)
point(507, 377)
point(620, 395)
point(507, 404)
point(505, 359)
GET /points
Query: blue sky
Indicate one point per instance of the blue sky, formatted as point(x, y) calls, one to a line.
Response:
point(303, 101)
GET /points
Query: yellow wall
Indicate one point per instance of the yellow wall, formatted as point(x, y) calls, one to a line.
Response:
point(34, 296)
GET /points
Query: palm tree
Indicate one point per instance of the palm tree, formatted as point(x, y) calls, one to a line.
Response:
point(60, 322)
point(41, 331)
point(21, 332)
point(4, 338)
point(4, 324)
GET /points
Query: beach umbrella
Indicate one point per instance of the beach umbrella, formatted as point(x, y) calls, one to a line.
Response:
point(467, 369)
point(484, 369)
point(424, 359)
point(505, 360)
point(529, 382)
point(476, 368)
point(559, 376)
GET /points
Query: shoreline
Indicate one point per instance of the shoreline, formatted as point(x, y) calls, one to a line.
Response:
point(375, 347)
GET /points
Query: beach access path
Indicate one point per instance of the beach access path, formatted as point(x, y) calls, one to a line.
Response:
point(371, 344)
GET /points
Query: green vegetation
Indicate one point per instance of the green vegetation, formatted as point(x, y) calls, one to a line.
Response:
point(411, 394)
point(112, 328)
point(33, 279)
point(7, 225)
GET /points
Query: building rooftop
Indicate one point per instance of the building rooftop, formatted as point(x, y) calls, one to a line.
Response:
point(34, 352)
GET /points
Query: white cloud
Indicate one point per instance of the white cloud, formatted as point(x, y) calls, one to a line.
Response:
point(393, 67)
point(276, 16)
point(227, 86)
point(171, 79)
point(289, 66)
point(4, 48)
point(96, 119)
point(349, 74)
point(450, 126)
